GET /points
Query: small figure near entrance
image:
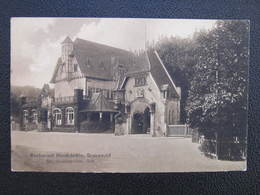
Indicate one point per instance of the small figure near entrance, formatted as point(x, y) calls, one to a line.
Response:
point(141, 122)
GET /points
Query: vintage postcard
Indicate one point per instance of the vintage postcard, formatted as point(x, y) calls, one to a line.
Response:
point(129, 95)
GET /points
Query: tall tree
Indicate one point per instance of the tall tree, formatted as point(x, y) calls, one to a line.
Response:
point(217, 100)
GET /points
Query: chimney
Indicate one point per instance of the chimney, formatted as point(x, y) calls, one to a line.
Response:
point(78, 95)
point(178, 91)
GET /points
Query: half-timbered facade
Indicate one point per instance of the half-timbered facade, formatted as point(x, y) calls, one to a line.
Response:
point(98, 88)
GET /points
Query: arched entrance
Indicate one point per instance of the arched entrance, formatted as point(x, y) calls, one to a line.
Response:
point(141, 122)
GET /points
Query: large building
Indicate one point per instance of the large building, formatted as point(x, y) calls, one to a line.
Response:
point(98, 88)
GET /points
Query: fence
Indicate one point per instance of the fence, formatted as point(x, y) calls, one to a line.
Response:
point(15, 125)
point(209, 147)
point(178, 130)
point(232, 149)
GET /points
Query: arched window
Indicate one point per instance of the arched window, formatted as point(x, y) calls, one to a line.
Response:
point(25, 116)
point(34, 116)
point(57, 116)
point(69, 116)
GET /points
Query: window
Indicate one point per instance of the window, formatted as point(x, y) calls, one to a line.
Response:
point(25, 116)
point(140, 81)
point(69, 116)
point(109, 94)
point(105, 93)
point(113, 60)
point(89, 92)
point(57, 116)
point(140, 92)
point(35, 116)
point(98, 90)
point(88, 62)
point(165, 94)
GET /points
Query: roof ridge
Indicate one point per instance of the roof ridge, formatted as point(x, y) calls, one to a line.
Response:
point(101, 44)
point(157, 55)
point(67, 40)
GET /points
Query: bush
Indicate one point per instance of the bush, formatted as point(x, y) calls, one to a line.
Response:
point(208, 147)
point(228, 149)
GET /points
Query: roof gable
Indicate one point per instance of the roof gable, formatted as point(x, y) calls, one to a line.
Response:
point(67, 40)
point(57, 67)
point(160, 73)
point(99, 61)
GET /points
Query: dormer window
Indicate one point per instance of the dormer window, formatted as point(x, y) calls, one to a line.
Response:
point(88, 62)
point(165, 91)
point(165, 94)
point(140, 81)
point(113, 59)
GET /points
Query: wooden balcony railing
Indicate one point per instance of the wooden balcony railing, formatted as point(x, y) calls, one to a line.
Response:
point(64, 100)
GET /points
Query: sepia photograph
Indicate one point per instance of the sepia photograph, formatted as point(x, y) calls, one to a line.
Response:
point(129, 95)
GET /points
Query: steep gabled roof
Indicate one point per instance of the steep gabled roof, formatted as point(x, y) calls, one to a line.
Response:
point(160, 73)
point(58, 64)
point(93, 67)
point(140, 64)
point(67, 40)
point(95, 49)
point(95, 61)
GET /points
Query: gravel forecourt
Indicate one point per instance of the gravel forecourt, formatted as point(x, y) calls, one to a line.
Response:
point(80, 152)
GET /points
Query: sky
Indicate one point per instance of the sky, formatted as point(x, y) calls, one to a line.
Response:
point(36, 42)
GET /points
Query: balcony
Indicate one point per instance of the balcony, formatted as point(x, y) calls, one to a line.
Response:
point(64, 100)
point(108, 96)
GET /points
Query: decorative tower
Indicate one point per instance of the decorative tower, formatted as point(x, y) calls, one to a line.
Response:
point(67, 48)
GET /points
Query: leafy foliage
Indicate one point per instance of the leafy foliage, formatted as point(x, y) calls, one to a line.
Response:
point(29, 92)
point(217, 100)
point(15, 106)
point(212, 69)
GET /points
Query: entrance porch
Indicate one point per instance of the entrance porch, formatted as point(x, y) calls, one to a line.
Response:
point(141, 122)
point(140, 118)
point(97, 122)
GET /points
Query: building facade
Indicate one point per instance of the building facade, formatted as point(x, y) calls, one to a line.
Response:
point(98, 88)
